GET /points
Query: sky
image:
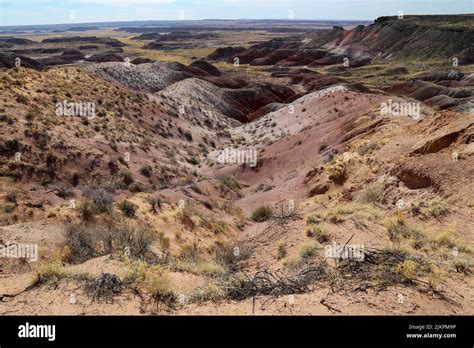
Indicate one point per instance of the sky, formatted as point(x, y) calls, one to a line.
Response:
point(33, 12)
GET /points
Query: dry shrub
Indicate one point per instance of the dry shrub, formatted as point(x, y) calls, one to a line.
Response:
point(262, 214)
point(88, 241)
point(49, 272)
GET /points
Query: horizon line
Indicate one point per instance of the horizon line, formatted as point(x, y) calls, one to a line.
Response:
point(194, 20)
point(229, 19)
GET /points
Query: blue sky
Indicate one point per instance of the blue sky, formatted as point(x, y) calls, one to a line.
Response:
point(16, 12)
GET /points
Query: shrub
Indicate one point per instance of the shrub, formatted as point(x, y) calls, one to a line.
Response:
point(408, 269)
point(11, 197)
point(462, 265)
point(373, 193)
point(75, 179)
point(155, 203)
point(189, 252)
point(318, 232)
point(127, 178)
point(445, 240)
point(337, 170)
point(136, 238)
point(229, 253)
point(86, 210)
point(307, 250)
point(437, 208)
point(185, 216)
point(281, 251)
point(215, 226)
point(137, 187)
point(188, 136)
point(398, 229)
point(49, 272)
point(208, 268)
point(164, 241)
point(312, 219)
point(85, 241)
point(262, 214)
point(106, 286)
point(81, 243)
point(358, 213)
point(146, 171)
point(367, 148)
point(209, 292)
point(128, 208)
point(155, 280)
point(228, 184)
point(102, 203)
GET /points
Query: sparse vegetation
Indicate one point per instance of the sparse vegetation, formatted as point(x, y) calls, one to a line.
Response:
point(49, 272)
point(262, 214)
point(281, 251)
point(398, 229)
point(128, 208)
point(87, 241)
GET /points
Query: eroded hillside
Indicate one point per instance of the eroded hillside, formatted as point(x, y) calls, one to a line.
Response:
point(283, 182)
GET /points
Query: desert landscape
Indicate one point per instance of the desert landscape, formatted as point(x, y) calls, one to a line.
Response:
point(238, 167)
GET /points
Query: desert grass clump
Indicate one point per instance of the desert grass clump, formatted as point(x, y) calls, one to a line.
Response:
point(104, 287)
point(262, 214)
point(360, 214)
point(146, 171)
point(86, 210)
point(228, 254)
point(215, 226)
point(156, 204)
point(154, 280)
point(337, 170)
point(445, 239)
point(318, 231)
point(49, 272)
point(185, 216)
point(128, 208)
point(306, 252)
point(462, 265)
point(189, 252)
point(408, 269)
point(281, 251)
point(372, 194)
point(313, 219)
point(207, 268)
point(437, 208)
point(212, 292)
point(398, 229)
point(127, 178)
point(101, 203)
point(367, 148)
point(229, 186)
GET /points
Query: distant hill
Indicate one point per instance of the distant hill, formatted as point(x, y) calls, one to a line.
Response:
point(441, 36)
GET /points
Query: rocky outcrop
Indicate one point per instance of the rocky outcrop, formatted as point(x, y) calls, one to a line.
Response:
point(443, 137)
